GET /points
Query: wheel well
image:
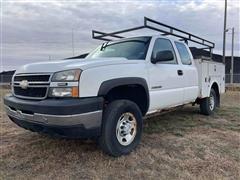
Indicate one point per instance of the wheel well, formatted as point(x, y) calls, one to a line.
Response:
point(216, 89)
point(135, 93)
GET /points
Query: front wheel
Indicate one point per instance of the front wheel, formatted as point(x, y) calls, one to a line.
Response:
point(122, 128)
point(208, 105)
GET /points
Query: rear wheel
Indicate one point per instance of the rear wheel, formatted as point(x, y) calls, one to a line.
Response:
point(122, 128)
point(208, 105)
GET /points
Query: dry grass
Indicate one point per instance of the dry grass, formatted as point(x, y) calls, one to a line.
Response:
point(179, 145)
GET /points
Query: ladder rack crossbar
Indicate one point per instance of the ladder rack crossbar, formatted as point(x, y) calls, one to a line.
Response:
point(172, 31)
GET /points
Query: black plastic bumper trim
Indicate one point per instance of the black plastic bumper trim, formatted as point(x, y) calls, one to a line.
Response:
point(72, 132)
point(55, 106)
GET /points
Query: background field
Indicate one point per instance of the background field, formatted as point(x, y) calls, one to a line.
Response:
point(179, 145)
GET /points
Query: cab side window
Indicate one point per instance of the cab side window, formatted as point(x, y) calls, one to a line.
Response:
point(163, 45)
point(184, 54)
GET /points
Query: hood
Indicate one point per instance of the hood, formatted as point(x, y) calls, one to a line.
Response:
point(54, 66)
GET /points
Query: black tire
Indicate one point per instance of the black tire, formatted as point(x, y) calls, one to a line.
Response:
point(108, 140)
point(205, 105)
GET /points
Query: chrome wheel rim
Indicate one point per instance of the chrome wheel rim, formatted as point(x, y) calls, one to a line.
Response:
point(126, 129)
point(211, 102)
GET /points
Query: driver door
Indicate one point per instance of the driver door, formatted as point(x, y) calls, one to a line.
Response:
point(166, 78)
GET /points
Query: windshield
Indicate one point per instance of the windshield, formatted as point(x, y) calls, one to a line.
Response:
point(131, 48)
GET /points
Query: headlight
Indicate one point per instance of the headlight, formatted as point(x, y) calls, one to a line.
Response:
point(69, 75)
point(63, 92)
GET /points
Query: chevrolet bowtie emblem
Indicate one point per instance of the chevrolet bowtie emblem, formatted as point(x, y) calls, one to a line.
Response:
point(24, 84)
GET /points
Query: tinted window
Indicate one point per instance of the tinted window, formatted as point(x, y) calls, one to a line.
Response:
point(184, 54)
point(163, 45)
point(131, 48)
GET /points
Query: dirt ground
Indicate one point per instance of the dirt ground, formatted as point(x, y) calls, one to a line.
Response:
point(179, 145)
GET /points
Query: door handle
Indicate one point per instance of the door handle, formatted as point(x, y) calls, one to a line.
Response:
point(180, 72)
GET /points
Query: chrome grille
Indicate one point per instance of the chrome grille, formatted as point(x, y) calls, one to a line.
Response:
point(31, 86)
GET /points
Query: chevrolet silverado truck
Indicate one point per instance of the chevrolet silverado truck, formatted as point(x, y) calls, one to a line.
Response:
point(106, 94)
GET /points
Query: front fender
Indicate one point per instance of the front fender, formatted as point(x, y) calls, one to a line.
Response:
point(108, 85)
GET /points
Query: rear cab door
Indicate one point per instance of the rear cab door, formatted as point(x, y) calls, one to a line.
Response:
point(190, 74)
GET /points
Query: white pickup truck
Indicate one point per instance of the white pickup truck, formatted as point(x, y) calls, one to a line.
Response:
point(107, 94)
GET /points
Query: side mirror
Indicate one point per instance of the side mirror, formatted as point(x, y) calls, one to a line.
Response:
point(162, 56)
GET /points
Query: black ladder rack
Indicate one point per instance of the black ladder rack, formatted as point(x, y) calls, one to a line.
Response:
point(171, 31)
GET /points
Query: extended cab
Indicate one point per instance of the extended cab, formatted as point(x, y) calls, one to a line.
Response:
point(106, 94)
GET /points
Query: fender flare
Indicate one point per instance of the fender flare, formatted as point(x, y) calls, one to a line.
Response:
point(106, 86)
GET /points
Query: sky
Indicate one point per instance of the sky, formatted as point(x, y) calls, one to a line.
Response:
point(41, 30)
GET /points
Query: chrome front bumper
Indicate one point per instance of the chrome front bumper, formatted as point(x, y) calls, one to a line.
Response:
point(89, 119)
point(74, 118)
